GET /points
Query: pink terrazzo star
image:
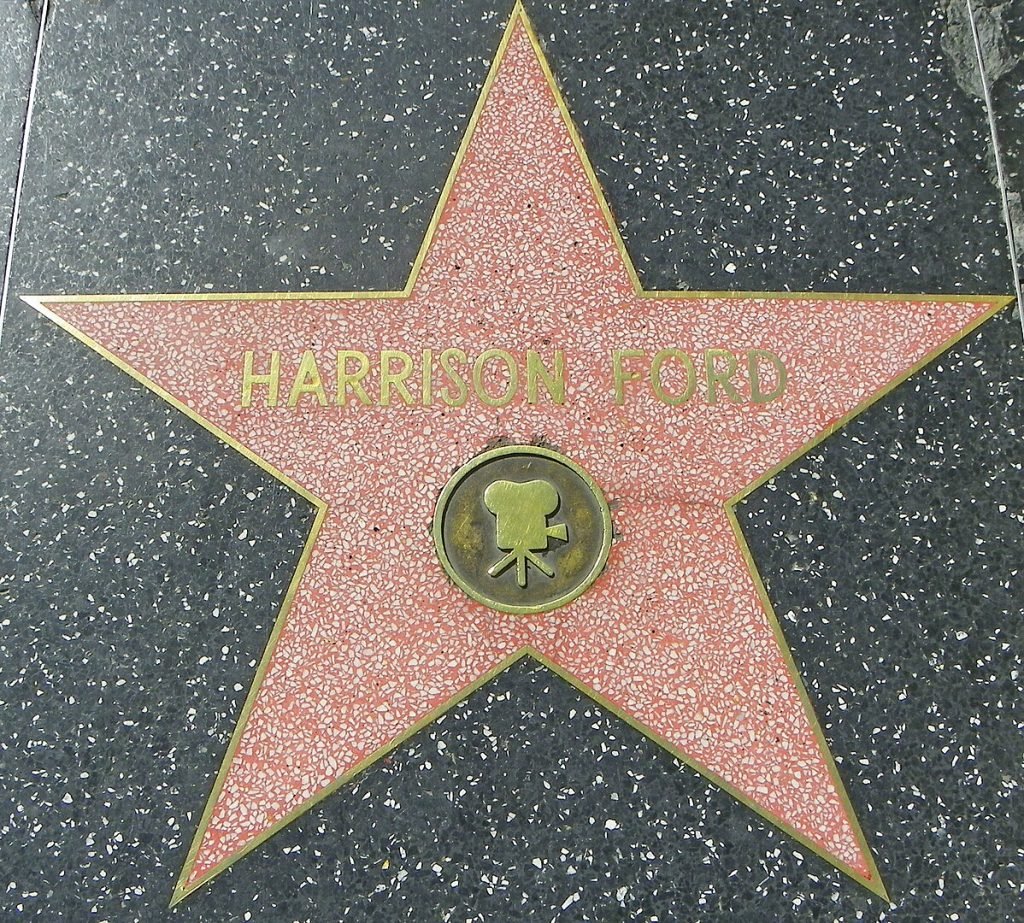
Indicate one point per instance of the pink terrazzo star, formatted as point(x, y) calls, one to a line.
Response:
point(676, 635)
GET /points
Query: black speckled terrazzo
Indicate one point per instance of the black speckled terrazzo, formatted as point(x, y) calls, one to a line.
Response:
point(18, 25)
point(1000, 33)
point(1007, 73)
point(287, 145)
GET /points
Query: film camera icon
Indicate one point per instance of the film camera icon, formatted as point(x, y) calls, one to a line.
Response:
point(521, 512)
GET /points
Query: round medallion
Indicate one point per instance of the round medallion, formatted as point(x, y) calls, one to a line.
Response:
point(522, 529)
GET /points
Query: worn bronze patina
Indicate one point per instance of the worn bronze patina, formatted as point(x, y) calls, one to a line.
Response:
point(522, 529)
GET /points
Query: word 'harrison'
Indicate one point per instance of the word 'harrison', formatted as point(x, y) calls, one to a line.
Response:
point(496, 377)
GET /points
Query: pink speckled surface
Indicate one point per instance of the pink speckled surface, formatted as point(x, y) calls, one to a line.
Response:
point(673, 633)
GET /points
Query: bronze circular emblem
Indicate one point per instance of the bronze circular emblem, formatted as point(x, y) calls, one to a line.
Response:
point(522, 529)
